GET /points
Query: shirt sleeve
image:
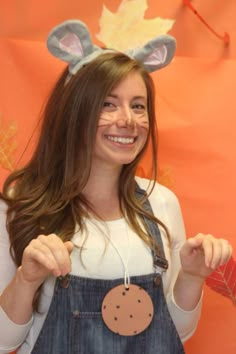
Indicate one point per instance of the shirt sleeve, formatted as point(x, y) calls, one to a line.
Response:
point(11, 334)
point(185, 321)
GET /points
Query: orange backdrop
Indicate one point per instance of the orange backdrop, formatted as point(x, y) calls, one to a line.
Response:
point(196, 116)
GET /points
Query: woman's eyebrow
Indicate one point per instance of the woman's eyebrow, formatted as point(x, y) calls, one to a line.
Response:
point(140, 97)
point(112, 95)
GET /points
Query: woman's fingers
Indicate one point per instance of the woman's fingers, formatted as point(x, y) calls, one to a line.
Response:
point(202, 254)
point(58, 251)
point(42, 257)
point(48, 254)
point(216, 251)
point(192, 246)
point(227, 251)
point(69, 245)
point(208, 248)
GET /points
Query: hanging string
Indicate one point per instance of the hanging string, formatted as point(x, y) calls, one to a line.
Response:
point(225, 37)
point(124, 262)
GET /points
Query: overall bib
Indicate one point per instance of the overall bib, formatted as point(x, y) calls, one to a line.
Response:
point(74, 324)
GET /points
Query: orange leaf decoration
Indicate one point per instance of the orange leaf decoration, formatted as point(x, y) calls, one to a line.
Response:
point(7, 145)
point(164, 175)
point(223, 280)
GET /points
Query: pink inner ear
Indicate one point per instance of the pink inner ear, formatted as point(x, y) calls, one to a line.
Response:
point(158, 56)
point(71, 44)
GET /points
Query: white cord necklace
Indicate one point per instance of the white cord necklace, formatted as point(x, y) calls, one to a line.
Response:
point(127, 309)
point(124, 262)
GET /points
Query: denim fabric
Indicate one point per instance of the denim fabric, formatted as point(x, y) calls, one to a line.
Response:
point(74, 324)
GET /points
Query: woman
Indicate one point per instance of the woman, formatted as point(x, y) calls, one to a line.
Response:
point(98, 258)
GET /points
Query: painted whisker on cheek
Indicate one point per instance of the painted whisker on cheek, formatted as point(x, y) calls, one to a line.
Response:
point(143, 123)
point(102, 122)
point(105, 119)
point(107, 116)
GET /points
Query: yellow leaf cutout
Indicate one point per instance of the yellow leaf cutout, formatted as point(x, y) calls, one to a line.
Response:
point(7, 146)
point(127, 28)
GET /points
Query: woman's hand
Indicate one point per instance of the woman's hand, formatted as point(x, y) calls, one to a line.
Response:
point(45, 255)
point(202, 254)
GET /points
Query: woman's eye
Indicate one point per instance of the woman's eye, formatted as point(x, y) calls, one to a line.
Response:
point(108, 105)
point(139, 107)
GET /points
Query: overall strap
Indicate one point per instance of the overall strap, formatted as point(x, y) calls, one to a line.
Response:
point(158, 256)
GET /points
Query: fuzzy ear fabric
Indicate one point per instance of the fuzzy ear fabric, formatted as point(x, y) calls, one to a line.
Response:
point(71, 42)
point(155, 54)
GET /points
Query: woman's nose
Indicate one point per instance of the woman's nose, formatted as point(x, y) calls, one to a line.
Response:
point(126, 118)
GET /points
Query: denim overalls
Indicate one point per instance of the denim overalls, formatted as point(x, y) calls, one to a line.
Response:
point(74, 324)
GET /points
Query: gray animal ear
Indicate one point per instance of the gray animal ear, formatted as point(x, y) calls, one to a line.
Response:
point(71, 42)
point(155, 54)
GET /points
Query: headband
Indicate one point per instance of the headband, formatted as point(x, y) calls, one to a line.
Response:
point(71, 42)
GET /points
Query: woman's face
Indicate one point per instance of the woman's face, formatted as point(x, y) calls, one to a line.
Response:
point(123, 125)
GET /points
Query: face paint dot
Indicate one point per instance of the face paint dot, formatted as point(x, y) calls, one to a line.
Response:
point(115, 318)
point(118, 306)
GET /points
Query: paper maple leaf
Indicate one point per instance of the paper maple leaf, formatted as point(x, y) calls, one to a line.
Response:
point(143, 172)
point(127, 28)
point(164, 175)
point(7, 146)
point(223, 280)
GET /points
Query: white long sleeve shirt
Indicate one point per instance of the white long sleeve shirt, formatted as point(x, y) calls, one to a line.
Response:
point(125, 248)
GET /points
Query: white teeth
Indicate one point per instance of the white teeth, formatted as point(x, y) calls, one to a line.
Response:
point(120, 140)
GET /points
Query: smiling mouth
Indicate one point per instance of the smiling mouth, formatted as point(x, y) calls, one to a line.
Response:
point(121, 140)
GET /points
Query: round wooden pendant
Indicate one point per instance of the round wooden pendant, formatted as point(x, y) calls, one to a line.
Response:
point(127, 312)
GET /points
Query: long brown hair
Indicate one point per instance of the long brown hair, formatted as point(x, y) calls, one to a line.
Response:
point(47, 193)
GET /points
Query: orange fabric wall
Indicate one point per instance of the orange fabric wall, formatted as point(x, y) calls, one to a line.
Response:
point(196, 117)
